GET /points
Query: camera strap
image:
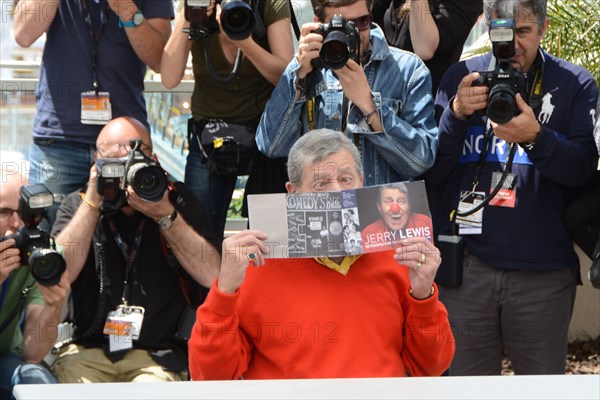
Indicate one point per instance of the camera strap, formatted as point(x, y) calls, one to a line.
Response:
point(534, 96)
point(18, 307)
point(129, 253)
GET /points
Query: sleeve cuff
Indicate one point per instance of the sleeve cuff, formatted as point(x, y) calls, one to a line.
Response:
point(219, 302)
point(425, 308)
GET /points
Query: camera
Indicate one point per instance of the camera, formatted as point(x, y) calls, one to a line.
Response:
point(146, 177)
point(237, 19)
point(341, 42)
point(504, 81)
point(36, 246)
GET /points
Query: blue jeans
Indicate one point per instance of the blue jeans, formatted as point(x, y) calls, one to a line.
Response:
point(62, 166)
point(213, 192)
point(15, 371)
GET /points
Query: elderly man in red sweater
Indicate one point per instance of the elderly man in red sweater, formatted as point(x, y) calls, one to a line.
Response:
point(371, 315)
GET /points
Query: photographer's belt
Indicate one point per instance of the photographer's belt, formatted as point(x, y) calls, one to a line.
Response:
point(95, 105)
point(503, 187)
point(124, 324)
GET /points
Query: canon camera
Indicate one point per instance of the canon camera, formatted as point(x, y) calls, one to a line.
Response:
point(37, 247)
point(237, 19)
point(146, 177)
point(341, 42)
point(504, 81)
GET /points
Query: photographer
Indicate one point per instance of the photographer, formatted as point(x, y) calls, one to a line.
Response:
point(20, 352)
point(519, 268)
point(108, 45)
point(380, 97)
point(136, 270)
point(227, 101)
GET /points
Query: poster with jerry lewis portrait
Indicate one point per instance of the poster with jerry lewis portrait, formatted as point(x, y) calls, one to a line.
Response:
point(333, 224)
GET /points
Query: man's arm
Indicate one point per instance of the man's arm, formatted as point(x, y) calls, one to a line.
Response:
point(42, 321)
point(147, 39)
point(196, 255)
point(32, 18)
point(424, 33)
point(281, 121)
point(76, 237)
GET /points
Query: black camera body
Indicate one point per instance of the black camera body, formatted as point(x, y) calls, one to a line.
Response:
point(341, 42)
point(145, 175)
point(504, 81)
point(36, 246)
point(237, 19)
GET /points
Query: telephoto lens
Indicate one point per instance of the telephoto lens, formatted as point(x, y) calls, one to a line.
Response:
point(46, 266)
point(502, 106)
point(237, 19)
point(148, 180)
point(334, 53)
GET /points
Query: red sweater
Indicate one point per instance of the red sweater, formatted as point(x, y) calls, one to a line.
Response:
point(295, 318)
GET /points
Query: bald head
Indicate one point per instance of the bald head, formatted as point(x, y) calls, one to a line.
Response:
point(121, 131)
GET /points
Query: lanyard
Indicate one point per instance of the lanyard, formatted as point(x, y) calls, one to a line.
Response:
point(95, 37)
point(129, 253)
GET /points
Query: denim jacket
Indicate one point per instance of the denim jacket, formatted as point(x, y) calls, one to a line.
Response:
point(401, 88)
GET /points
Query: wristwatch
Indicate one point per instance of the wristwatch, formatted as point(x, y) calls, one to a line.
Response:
point(136, 20)
point(165, 222)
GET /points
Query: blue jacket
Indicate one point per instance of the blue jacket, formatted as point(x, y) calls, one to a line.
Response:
point(532, 235)
point(401, 87)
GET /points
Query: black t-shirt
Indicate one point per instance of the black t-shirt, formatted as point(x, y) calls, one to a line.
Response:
point(454, 20)
point(154, 281)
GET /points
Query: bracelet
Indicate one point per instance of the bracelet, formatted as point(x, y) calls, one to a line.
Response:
point(89, 203)
point(410, 291)
point(368, 117)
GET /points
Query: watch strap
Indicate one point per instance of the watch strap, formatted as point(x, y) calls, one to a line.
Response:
point(132, 22)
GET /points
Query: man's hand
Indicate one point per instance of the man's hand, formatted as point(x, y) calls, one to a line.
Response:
point(235, 261)
point(309, 46)
point(123, 8)
point(55, 295)
point(91, 194)
point(355, 86)
point(422, 259)
point(469, 98)
point(524, 128)
point(152, 209)
point(10, 258)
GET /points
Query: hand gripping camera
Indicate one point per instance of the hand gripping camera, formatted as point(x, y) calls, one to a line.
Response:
point(504, 81)
point(144, 174)
point(341, 42)
point(36, 246)
point(237, 18)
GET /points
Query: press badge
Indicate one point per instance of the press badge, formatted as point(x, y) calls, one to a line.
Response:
point(123, 326)
point(95, 108)
point(470, 224)
point(507, 194)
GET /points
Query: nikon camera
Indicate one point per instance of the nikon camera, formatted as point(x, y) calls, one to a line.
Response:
point(36, 246)
point(341, 42)
point(504, 81)
point(237, 18)
point(146, 177)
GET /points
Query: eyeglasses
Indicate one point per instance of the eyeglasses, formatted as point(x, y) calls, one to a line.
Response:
point(362, 23)
point(6, 213)
point(107, 148)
